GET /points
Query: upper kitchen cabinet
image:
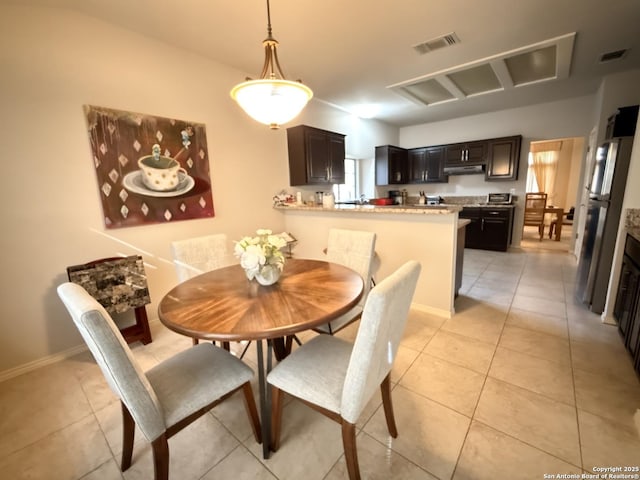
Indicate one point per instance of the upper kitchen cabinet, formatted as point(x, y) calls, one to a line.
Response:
point(391, 165)
point(466, 154)
point(316, 157)
point(503, 158)
point(426, 165)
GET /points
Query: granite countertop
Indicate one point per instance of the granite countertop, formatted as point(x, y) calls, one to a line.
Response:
point(373, 209)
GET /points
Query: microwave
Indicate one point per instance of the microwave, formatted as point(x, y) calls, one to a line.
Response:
point(499, 199)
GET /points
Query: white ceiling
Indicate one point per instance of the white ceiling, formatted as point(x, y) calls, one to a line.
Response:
point(350, 51)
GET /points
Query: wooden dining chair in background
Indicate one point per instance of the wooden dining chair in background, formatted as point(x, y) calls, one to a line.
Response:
point(338, 378)
point(356, 250)
point(166, 398)
point(534, 206)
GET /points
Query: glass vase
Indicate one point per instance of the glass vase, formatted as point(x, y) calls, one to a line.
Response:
point(268, 275)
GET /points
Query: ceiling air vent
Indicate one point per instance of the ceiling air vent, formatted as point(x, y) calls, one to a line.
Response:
point(436, 43)
point(615, 55)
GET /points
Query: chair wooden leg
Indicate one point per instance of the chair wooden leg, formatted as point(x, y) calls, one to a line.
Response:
point(385, 388)
point(160, 449)
point(350, 450)
point(276, 417)
point(128, 432)
point(252, 411)
point(195, 341)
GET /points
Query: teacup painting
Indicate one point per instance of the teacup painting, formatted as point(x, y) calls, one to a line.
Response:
point(160, 173)
point(150, 169)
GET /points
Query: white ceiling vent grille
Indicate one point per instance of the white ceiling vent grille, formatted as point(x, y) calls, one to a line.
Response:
point(541, 62)
point(436, 43)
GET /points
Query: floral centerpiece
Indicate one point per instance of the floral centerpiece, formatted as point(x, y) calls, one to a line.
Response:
point(260, 256)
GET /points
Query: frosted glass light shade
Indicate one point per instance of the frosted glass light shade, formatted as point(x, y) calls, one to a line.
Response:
point(272, 101)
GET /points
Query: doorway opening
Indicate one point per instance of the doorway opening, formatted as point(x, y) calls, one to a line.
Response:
point(554, 168)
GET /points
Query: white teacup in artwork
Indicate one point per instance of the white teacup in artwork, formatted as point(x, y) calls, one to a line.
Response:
point(160, 173)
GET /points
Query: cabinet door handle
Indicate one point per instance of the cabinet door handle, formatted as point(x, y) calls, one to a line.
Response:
point(482, 225)
point(466, 155)
point(462, 155)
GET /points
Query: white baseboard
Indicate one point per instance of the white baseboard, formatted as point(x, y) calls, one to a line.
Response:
point(41, 362)
point(433, 311)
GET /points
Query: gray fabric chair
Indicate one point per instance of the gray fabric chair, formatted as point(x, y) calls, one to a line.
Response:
point(354, 249)
point(168, 397)
point(197, 255)
point(338, 378)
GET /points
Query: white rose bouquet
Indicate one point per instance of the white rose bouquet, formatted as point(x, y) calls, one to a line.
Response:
point(261, 255)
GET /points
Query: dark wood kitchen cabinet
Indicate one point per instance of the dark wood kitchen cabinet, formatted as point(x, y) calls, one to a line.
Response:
point(316, 157)
point(466, 154)
point(391, 165)
point(490, 227)
point(426, 165)
point(503, 158)
point(473, 233)
point(627, 306)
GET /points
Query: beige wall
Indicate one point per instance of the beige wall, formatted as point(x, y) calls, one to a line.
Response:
point(54, 62)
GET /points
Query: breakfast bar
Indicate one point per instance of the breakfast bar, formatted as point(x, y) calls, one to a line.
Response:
point(428, 234)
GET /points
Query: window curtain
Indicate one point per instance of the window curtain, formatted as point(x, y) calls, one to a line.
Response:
point(544, 165)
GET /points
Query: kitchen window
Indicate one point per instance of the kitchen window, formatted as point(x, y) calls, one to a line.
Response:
point(349, 189)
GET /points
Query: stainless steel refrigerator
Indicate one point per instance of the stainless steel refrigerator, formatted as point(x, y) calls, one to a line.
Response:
point(606, 193)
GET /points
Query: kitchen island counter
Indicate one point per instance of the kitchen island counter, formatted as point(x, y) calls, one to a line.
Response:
point(428, 234)
point(377, 209)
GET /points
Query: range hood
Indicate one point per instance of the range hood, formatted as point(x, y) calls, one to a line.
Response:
point(463, 169)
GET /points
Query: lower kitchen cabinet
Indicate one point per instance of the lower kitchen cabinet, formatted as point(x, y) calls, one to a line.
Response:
point(490, 228)
point(627, 306)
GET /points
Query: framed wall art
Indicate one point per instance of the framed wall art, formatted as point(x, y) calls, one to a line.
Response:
point(150, 169)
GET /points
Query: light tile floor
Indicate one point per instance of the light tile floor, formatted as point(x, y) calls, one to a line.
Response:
point(522, 381)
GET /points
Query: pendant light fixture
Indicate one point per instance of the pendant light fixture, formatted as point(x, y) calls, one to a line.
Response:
point(272, 99)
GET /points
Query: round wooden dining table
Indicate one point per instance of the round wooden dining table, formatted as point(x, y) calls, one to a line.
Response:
point(223, 305)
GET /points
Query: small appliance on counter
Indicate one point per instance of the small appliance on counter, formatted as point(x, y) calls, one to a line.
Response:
point(434, 200)
point(499, 199)
point(396, 196)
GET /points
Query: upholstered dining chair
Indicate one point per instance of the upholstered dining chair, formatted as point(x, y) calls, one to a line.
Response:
point(338, 378)
point(534, 206)
point(168, 397)
point(197, 255)
point(354, 249)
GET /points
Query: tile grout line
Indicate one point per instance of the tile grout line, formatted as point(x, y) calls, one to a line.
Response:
point(466, 435)
point(573, 377)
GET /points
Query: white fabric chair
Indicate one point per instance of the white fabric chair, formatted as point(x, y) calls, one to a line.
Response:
point(353, 249)
point(197, 255)
point(338, 378)
point(168, 397)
